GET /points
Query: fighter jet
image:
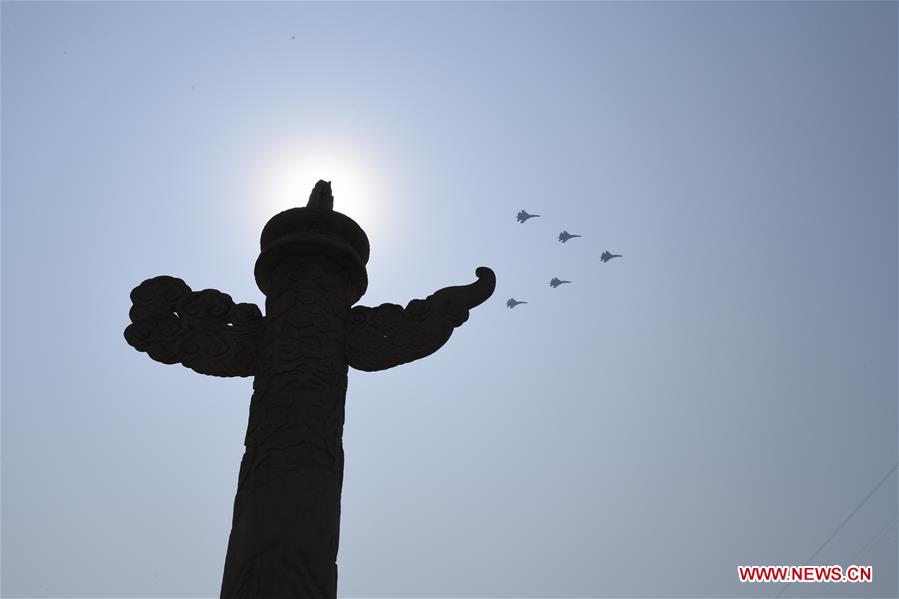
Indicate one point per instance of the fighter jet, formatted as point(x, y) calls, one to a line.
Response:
point(606, 256)
point(513, 302)
point(555, 282)
point(565, 236)
point(523, 216)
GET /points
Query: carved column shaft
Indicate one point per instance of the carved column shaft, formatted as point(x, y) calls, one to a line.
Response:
point(285, 530)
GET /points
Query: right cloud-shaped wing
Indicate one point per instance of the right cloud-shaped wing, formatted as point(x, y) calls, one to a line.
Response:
point(390, 335)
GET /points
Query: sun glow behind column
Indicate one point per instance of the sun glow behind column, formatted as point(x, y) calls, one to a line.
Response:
point(288, 176)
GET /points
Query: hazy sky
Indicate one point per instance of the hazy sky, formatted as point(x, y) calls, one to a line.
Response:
point(724, 394)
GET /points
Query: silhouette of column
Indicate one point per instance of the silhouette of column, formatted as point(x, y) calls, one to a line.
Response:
point(286, 523)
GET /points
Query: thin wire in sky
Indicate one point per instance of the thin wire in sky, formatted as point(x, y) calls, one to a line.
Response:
point(843, 523)
point(890, 526)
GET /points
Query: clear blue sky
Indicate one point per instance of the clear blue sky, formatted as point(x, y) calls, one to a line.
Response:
point(724, 394)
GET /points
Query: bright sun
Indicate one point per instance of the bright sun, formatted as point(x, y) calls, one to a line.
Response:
point(288, 179)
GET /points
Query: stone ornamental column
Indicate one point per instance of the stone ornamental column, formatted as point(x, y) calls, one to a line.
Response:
point(286, 524)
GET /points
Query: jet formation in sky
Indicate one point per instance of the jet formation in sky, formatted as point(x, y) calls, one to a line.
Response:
point(522, 217)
